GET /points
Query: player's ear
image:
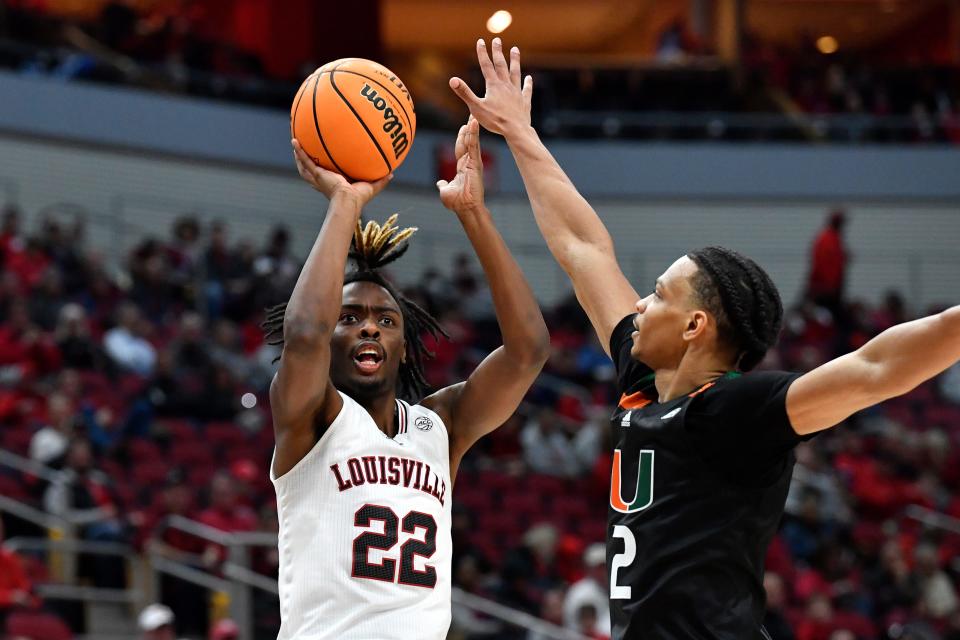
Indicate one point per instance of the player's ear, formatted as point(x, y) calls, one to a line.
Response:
point(697, 322)
point(403, 354)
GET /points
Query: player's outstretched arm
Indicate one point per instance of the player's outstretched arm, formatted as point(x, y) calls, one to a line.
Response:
point(494, 390)
point(574, 232)
point(301, 395)
point(890, 365)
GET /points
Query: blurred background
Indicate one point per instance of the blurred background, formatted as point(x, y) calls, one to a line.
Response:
point(150, 211)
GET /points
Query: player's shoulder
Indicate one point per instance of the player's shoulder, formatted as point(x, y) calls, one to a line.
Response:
point(740, 392)
point(440, 403)
point(424, 417)
point(765, 379)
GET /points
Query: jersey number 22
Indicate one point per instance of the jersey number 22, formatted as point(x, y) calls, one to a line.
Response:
point(386, 570)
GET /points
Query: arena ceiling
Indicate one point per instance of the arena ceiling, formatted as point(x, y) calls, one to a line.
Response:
point(614, 28)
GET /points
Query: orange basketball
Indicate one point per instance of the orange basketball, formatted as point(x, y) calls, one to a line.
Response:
point(355, 117)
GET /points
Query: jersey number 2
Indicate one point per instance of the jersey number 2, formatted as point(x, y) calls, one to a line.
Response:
point(622, 561)
point(386, 570)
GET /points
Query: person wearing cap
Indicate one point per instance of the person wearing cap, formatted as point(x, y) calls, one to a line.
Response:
point(156, 622)
point(590, 591)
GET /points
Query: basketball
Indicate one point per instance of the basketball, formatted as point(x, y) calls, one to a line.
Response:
point(355, 117)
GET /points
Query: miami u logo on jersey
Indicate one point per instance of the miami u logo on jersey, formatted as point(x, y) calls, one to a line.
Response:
point(643, 495)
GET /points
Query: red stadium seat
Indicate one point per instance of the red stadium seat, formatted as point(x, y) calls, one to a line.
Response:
point(567, 508)
point(13, 486)
point(475, 499)
point(150, 473)
point(224, 434)
point(17, 440)
point(497, 483)
point(200, 476)
point(192, 453)
point(143, 450)
point(545, 486)
point(37, 625)
point(593, 530)
point(523, 505)
point(499, 524)
point(179, 430)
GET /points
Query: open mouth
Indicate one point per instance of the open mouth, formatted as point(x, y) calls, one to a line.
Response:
point(368, 357)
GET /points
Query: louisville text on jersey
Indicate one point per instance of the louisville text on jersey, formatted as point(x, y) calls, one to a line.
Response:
point(389, 470)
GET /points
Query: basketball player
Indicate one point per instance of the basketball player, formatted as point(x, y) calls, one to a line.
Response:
point(364, 466)
point(702, 449)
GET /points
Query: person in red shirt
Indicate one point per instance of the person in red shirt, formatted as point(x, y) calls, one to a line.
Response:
point(15, 587)
point(226, 512)
point(828, 264)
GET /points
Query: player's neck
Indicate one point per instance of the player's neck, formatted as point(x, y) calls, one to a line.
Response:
point(693, 371)
point(383, 409)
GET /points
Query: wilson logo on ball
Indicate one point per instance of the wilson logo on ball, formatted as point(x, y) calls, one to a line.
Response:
point(391, 123)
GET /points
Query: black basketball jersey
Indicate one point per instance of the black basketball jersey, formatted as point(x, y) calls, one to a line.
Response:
point(696, 494)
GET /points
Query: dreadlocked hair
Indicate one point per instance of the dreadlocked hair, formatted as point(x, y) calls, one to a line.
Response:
point(373, 247)
point(742, 298)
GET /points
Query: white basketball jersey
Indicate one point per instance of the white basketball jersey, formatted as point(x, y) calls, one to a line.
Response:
point(365, 548)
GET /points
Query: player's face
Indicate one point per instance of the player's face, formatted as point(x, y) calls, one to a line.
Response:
point(367, 345)
point(663, 316)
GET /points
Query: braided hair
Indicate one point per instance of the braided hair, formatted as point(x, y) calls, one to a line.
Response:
point(742, 298)
point(373, 247)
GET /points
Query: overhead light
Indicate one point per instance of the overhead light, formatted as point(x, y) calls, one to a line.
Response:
point(248, 401)
point(499, 21)
point(827, 44)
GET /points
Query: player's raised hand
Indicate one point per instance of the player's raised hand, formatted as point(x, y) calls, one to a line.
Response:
point(506, 103)
point(465, 191)
point(333, 184)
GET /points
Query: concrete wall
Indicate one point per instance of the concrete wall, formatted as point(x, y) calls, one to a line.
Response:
point(220, 132)
point(904, 243)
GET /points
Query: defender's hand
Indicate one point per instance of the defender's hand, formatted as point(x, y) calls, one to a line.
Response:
point(333, 184)
point(465, 191)
point(505, 105)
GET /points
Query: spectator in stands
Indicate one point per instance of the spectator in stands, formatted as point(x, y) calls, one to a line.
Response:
point(157, 623)
point(84, 498)
point(225, 629)
point(47, 298)
point(227, 350)
point(828, 265)
point(812, 472)
point(276, 269)
point(126, 343)
point(49, 444)
point(529, 571)
point(938, 596)
point(546, 448)
point(77, 347)
point(15, 587)
point(589, 438)
point(776, 621)
point(673, 42)
point(10, 236)
point(186, 599)
point(190, 347)
point(24, 347)
point(590, 591)
point(225, 511)
point(551, 610)
point(184, 255)
point(892, 586)
point(219, 264)
point(470, 579)
point(63, 240)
